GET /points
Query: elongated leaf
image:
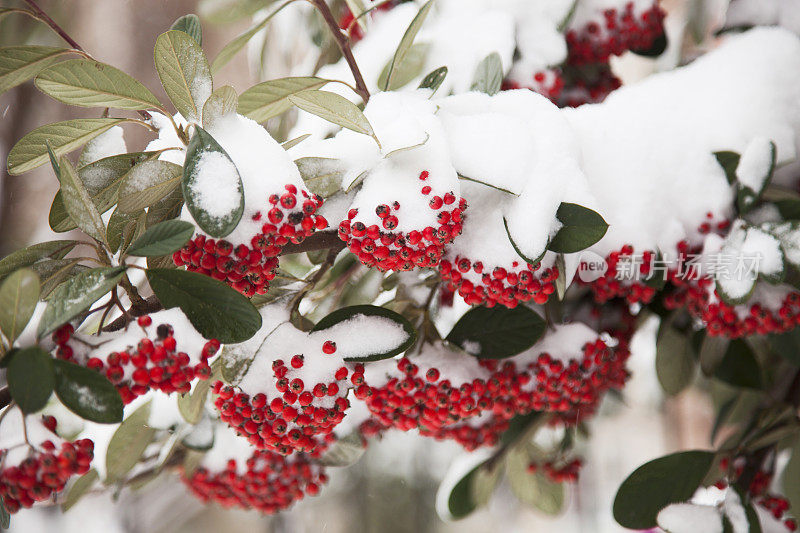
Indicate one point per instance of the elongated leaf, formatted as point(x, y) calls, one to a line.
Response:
point(31, 151)
point(729, 161)
point(322, 175)
point(18, 64)
point(497, 332)
point(79, 204)
point(222, 102)
point(533, 261)
point(271, 98)
point(344, 452)
point(162, 239)
point(184, 72)
point(76, 295)
point(581, 228)
point(204, 300)
point(674, 362)
point(87, 83)
point(790, 479)
point(19, 293)
point(191, 405)
point(406, 42)
point(53, 272)
point(128, 444)
point(405, 72)
point(5, 517)
point(87, 393)
point(118, 225)
point(461, 501)
point(739, 366)
point(31, 378)
point(434, 79)
point(37, 252)
point(79, 489)
point(291, 143)
point(208, 174)
point(533, 489)
point(489, 75)
point(658, 483)
point(147, 183)
point(333, 108)
point(190, 25)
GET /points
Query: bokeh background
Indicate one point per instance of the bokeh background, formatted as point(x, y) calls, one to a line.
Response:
point(393, 487)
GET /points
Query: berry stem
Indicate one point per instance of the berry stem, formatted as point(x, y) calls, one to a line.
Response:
point(344, 45)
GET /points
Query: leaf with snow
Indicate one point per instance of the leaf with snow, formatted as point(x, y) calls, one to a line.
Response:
point(222, 102)
point(406, 42)
point(76, 295)
point(19, 294)
point(581, 227)
point(754, 172)
point(128, 444)
point(35, 253)
point(87, 393)
point(433, 80)
point(497, 332)
point(31, 378)
point(18, 64)
point(79, 488)
point(322, 175)
point(690, 518)
point(78, 203)
point(190, 25)
point(162, 239)
point(31, 151)
point(53, 272)
point(184, 72)
point(212, 187)
point(88, 83)
point(271, 98)
point(460, 501)
point(747, 254)
point(334, 108)
point(147, 183)
point(488, 75)
point(374, 340)
point(530, 260)
point(788, 233)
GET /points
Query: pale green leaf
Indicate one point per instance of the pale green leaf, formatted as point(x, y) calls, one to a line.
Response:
point(271, 98)
point(333, 108)
point(184, 72)
point(222, 102)
point(79, 204)
point(147, 183)
point(405, 43)
point(18, 64)
point(19, 293)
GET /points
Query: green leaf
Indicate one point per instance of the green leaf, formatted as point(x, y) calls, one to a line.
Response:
point(534, 489)
point(712, 350)
point(53, 272)
point(5, 517)
point(147, 183)
point(128, 444)
point(30, 378)
point(746, 197)
point(739, 366)
point(190, 25)
point(489, 75)
point(499, 332)
point(787, 345)
point(405, 44)
point(204, 300)
point(433, 80)
point(222, 102)
point(196, 199)
point(184, 72)
point(347, 313)
point(37, 252)
point(728, 161)
point(87, 393)
point(191, 404)
point(18, 64)
point(19, 293)
point(344, 452)
point(655, 49)
point(271, 98)
point(31, 151)
point(790, 478)
point(674, 361)
point(79, 489)
point(405, 72)
point(461, 503)
point(333, 108)
point(118, 225)
point(167, 208)
point(76, 295)
point(232, 48)
point(291, 143)
point(658, 483)
point(162, 239)
point(87, 83)
point(531, 261)
point(322, 175)
point(581, 227)
point(79, 204)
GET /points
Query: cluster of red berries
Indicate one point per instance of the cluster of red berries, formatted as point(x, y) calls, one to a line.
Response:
point(522, 283)
point(618, 32)
point(558, 472)
point(571, 86)
point(152, 364)
point(387, 249)
point(624, 275)
point(300, 417)
point(249, 269)
point(272, 482)
point(436, 406)
point(44, 472)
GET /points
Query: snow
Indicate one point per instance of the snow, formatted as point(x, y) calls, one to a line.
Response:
point(365, 335)
point(564, 342)
point(110, 142)
point(690, 518)
point(227, 446)
point(12, 436)
point(755, 163)
point(785, 13)
point(216, 187)
point(789, 235)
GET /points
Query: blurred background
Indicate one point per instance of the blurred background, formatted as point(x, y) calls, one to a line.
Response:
point(393, 487)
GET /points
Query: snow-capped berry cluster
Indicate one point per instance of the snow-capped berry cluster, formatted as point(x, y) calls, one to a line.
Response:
point(249, 269)
point(624, 277)
point(570, 86)
point(30, 474)
point(559, 472)
point(388, 248)
point(161, 352)
point(595, 34)
point(236, 476)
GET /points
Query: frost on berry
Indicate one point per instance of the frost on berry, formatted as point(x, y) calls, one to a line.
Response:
point(600, 29)
point(292, 395)
point(160, 352)
point(278, 209)
point(30, 474)
point(234, 474)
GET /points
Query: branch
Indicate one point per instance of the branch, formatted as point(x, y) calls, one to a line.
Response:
point(320, 240)
point(44, 17)
point(344, 45)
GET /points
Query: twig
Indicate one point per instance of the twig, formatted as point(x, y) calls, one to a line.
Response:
point(344, 45)
point(320, 240)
